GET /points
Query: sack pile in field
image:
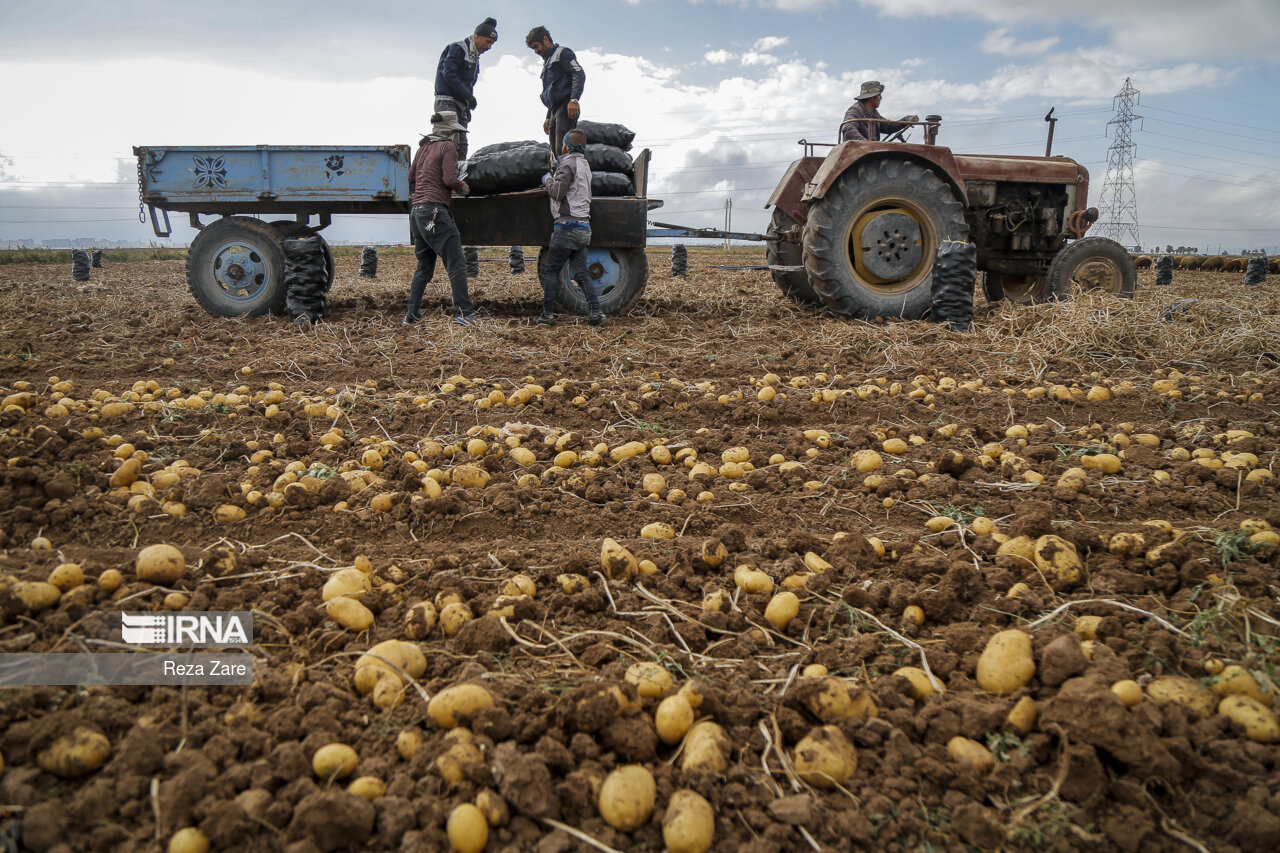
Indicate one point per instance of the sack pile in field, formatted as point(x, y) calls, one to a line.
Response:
point(509, 167)
point(471, 257)
point(306, 278)
point(97, 259)
point(79, 265)
point(515, 257)
point(955, 269)
point(679, 260)
point(1256, 272)
point(1164, 270)
point(368, 262)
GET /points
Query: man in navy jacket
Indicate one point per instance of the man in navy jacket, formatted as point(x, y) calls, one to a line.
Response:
point(456, 77)
point(562, 82)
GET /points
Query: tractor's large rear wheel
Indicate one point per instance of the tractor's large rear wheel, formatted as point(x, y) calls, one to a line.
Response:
point(870, 243)
point(1092, 264)
point(786, 262)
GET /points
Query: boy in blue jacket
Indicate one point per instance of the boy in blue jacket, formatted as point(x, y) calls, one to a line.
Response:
point(562, 82)
point(456, 77)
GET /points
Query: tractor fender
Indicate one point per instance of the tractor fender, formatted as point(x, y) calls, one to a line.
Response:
point(936, 158)
point(786, 195)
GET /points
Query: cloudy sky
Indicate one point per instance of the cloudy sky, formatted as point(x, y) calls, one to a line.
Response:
point(720, 90)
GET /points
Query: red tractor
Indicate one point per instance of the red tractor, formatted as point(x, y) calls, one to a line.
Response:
point(857, 230)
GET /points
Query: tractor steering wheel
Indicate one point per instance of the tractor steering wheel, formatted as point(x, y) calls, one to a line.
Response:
point(900, 136)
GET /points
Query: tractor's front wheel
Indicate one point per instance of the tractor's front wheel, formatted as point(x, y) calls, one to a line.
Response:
point(786, 262)
point(1092, 264)
point(618, 275)
point(870, 243)
point(235, 267)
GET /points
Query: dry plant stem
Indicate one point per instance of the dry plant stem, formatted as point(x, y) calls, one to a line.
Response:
point(580, 835)
point(924, 661)
point(1051, 614)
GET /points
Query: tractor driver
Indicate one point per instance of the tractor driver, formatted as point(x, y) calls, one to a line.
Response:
point(863, 122)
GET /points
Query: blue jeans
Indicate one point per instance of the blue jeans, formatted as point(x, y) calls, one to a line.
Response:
point(568, 245)
point(443, 241)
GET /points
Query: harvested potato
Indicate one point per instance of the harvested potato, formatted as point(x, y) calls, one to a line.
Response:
point(1022, 717)
point(110, 580)
point(462, 751)
point(839, 699)
point(376, 664)
point(921, 687)
point(706, 747)
point(408, 742)
point(970, 754)
point(67, 576)
point(814, 563)
point(1235, 680)
point(36, 595)
point(467, 829)
point(573, 584)
point(673, 718)
point(1258, 721)
point(657, 530)
point(627, 797)
point(1006, 663)
point(188, 840)
point(453, 617)
point(617, 561)
point(493, 806)
point(1183, 691)
point(1123, 544)
point(748, 579)
point(913, 614)
point(714, 553)
point(520, 585)
point(825, 758)
point(715, 601)
point(693, 692)
point(1021, 550)
point(1086, 627)
point(1129, 691)
point(652, 680)
point(419, 619)
point(74, 755)
point(689, 824)
point(351, 583)
point(160, 564)
point(369, 787)
point(814, 670)
point(454, 704)
point(349, 613)
point(334, 761)
point(782, 608)
point(1057, 558)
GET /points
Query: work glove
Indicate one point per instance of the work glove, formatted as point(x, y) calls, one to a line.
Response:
point(912, 119)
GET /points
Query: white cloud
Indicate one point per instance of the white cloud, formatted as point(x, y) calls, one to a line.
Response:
point(753, 58)
point(1000, 42)
point(718, 57)
point(770, 43)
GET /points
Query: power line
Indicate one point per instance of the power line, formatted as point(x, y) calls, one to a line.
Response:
point(1210, 145)
point(1219, 121)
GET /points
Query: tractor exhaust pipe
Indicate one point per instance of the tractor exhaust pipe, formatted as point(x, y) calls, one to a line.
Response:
point(1048, 146)
point(931, 129)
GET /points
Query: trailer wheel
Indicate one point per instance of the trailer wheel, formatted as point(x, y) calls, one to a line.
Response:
point(289, 230)
point(235, 267)
point(793, 283)
point(1019, 289)
point(870, 243)
point(1093, 264)
point(619, 276)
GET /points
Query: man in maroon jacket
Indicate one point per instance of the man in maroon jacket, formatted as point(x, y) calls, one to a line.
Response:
point(432, 179)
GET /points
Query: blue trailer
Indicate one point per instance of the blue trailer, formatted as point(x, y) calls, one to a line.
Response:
point(235, 265)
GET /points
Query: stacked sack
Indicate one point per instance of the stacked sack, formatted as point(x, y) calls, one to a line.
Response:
point(508, 167)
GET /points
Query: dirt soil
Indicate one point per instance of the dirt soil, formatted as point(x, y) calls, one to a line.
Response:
point(273, 457)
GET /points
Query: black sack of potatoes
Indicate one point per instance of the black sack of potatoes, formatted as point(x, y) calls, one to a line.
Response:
point(611, 184)
point(508, 171)
point(607, 134)
point(499, 147)
point(1256, 272)
point(79, 265)
point(368, 262)
point(515, 257)
point(97, 259)
point(1164, 270)
point(305, 277)
point(606, 158)
point(471, 256)
point(679, 260)
point(955, 269)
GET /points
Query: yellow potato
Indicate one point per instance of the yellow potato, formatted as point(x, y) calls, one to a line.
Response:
point(1258, 721)
point(913, 614)
point(970, 754)
point(706, 747)
point(714, 553)
point(1020, 549)
point(352, 583)
point(369, 787)
point(467, 828)
point(939, 523)
point(1086, 627)
point(752, 580)
point(188, 840)
point(74, 755)
point(493, 806)
point(673, 718)
point(652, 680)
point(1022, 717)
point(374, 663)
point(825, 758)
point(1183, 691)
point(839, 699)
point(67, 576)
point(982, 526)
point(349, 613)
point(408, 742)
point(451, 763)
point(814, 670)
point(469, 476)
point(1057, 558)
point(815, 563)
point(573, 584)
point(627, 797)
point(110, 580)
point(334, 761)
point(160, 564)
point(617, 561)
point(715, 601)
point(689, 824)
point(1129, 691)
point(419, 620)
point(520, 585)
point(1006, 663)
point(452, 705)
point(782, 608)
point(1235, 680)
point(657, 530)
point(453, 616)
point(921, 687)
point(36, 595)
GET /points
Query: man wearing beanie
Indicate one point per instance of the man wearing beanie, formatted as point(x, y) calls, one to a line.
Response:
point(562, 82)
point(456, 77)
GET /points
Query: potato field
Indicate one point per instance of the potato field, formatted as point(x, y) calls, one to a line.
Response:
point(723, 574)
